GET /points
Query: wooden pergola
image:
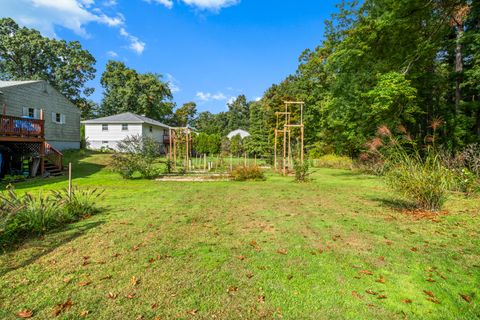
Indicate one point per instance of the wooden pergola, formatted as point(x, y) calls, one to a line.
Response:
point(180, 139)
point(284, 130)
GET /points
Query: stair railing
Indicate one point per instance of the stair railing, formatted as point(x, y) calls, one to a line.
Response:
point(54, 156)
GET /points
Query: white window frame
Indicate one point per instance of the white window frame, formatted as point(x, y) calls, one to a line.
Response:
point(105, 127)
point(124, 126)
point(56, 116)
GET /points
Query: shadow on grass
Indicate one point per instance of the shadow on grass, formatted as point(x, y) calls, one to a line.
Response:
point(395, 204)
point(81, 169)
point(342, 173)
point(42, 247)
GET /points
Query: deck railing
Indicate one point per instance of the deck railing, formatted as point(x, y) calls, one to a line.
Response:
point(21, 127)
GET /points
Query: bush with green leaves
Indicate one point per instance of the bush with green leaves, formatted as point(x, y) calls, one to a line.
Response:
point(247, 173)
point(301, 170)
point(333, 161)
point(136, 154)
point(23, 215)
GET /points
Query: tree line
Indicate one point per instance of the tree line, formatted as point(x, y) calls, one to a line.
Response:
point(410, 65)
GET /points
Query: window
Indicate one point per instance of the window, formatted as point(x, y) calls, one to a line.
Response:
point(104, 142)
point(58, 118)
point(104, 127)
point(151, 129)
point(125, 127)
point(31, 112)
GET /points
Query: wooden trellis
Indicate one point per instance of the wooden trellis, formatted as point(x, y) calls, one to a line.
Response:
point(180, 146)
point(284, 132)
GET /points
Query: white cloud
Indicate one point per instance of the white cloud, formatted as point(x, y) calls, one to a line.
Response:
point(112, 54)
point(231, 100)
point(173, 83)
point(207, 96)
point(258, 99)
point(74, 15)
point(166, 3)
point(135, 44)
point(213, 5)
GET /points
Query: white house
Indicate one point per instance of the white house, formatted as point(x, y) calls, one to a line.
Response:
point(108, 131)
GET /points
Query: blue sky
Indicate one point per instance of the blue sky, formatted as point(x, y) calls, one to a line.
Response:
point(209, 50)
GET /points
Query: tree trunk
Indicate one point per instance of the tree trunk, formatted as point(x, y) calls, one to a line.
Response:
point(458, 68)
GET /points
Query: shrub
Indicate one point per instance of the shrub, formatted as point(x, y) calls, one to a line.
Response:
point(25, 215)
point(465, 181)
point(248, 173)
point(136, 154)
point(423, 181)
point(301, 170)
point(333, 161)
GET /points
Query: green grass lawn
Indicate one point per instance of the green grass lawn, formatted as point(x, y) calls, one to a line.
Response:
point(334, 248)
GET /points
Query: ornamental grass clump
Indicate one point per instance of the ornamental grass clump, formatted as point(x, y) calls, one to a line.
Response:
point(24, 215)
point(419, 176)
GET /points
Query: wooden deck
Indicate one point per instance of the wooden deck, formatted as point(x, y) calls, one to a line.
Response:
point(18, 129)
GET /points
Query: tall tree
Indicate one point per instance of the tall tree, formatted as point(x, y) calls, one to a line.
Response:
point(26, 55)
point(238, 114)
point(185, 115)
point(126, 90)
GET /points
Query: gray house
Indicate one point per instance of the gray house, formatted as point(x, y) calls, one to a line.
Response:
point(36, 123)
point(26, 99)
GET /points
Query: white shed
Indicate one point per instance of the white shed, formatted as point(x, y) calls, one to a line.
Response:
point(242, 133)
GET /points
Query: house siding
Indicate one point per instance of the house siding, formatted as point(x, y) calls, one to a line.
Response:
point(95, 136)
point(41, 95)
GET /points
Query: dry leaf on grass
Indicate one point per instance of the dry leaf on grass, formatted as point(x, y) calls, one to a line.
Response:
point(466, 297)
point(241, 258)
point(382, 296)
point(62, 307)
point(84, 313)
point(282, 251)
point(429, 293)
point(249, 275)
point(261, 299)
point(84, 283)
point(111, 295)
point(131, 295)
point(407, 301)
point(357, 295)
point(25, 314)
point(134, 281)
point(371, 292)
point(367, 272)
point(381, 280)
point(192, 312)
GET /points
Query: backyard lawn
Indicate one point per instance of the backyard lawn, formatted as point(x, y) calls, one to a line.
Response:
point(339, 247)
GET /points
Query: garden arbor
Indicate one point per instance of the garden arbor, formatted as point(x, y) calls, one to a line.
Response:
point(180, 145)
point(289, 126)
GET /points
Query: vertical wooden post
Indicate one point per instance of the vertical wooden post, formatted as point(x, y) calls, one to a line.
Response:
point(42, 158)
point(231, 162)
point(302, 156)
point(275, 150)
point(69, 180)
point(285, 151)
point(170, 143)
point(205, 162)
point(245, 159)
point(175, 150)
point(255, 163)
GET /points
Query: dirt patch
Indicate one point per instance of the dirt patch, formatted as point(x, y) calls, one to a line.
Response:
point(418, 214)
point(196, 178)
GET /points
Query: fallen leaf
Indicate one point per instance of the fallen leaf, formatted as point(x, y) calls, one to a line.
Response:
point(407, 301)
point(84, 283)
point(112, 295)
point(249, 275)
point(241, 258)
point(192, 312)
point(414, 249)
point(134, 281)
point(62, 307)
point(356, 295)
point(151, 260)
point(67, 280)
point(366, 272)
point(107, 277)
point(25, 314)
point(155, 306)
point(434, 300)
point(136, 248)
point(282, 251)
point(261, 299)
point(131, 295)
point(382, 296)
point(430, 280)
point(381, 280)
point(232, 289)
point(466, 297)
point(290, 277)
point(389, 242)
point(84, 313)
point(371, 292)
point(429, 293)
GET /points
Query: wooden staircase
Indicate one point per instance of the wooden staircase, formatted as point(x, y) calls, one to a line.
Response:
point(53, 161)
